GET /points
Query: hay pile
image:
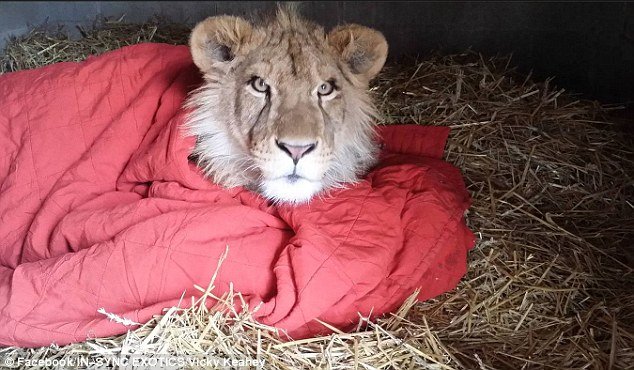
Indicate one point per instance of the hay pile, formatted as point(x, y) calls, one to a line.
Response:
point(549, 283)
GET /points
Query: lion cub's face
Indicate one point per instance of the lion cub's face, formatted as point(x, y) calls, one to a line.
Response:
point(284, 109)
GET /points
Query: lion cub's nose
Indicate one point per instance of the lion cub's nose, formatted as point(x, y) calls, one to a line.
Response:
point(296, 151)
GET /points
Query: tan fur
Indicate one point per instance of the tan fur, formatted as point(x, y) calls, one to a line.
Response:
point(241, 132)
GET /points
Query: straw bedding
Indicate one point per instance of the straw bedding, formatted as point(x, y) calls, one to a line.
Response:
point(549, 283)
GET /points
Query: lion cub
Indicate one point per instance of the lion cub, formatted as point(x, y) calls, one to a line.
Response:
point(284, 109)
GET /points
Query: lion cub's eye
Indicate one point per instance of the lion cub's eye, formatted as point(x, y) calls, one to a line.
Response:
point(258, 84)
point(325, 89)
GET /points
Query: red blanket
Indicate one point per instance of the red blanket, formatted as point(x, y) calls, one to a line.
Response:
point(100, 208)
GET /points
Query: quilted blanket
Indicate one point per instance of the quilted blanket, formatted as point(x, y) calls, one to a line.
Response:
point(100, 208)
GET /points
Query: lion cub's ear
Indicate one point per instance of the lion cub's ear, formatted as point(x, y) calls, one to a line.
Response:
point(217, 40)
point(362, 48)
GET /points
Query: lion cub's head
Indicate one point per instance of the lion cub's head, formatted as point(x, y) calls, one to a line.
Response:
point(284, 109)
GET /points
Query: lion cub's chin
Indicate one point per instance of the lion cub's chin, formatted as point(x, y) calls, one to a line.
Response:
point(286, 190)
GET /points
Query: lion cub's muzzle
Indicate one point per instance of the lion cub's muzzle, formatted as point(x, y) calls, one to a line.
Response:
point(295, 169)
